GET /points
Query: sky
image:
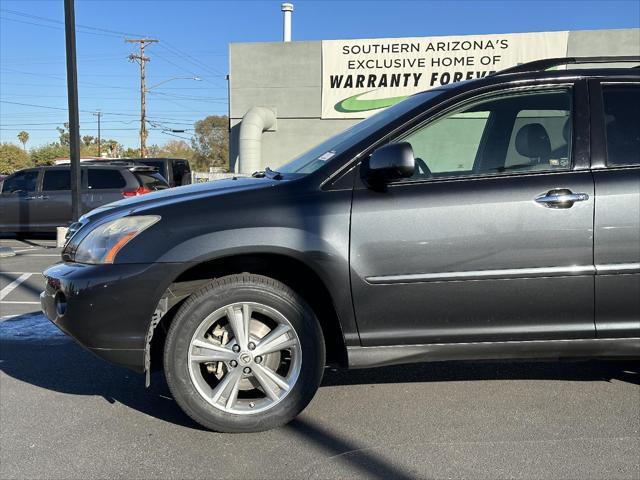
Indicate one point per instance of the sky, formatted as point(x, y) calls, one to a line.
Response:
point(193, 42)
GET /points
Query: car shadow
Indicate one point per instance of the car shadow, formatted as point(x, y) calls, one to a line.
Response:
point(577, 370)
point(47, 359)
point(33, 240)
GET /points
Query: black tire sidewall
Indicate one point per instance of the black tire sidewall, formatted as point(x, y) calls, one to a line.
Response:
point(235, 290)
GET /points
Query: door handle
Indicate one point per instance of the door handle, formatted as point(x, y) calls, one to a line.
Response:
point(560, 198)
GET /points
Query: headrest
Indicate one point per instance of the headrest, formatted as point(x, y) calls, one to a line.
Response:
point(532, 141)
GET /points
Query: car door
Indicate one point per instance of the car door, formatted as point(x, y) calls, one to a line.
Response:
point(104, 185)
point(492, 238)
point(18, 192)
point(52, 206)
point(616, 167)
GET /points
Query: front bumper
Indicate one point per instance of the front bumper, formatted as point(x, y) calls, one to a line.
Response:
point(107, 308)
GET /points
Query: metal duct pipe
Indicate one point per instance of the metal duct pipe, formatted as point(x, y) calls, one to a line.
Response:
point(254, 122)
point(286, 8)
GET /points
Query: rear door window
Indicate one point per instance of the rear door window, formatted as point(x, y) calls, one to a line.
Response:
point(105, 179)
point(21, 182)
point(59, 179)
point(622, 124)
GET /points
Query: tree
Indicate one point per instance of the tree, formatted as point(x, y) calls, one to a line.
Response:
point(64, 134)
point(45, 154)
point(12, 158)
point(177, 149)
point(131, 153)
point(23, 137)
point(88, 140)
point(211, 142)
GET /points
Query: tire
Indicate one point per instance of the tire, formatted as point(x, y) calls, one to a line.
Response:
point(247, 402)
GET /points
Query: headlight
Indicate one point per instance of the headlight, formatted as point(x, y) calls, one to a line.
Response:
point(104, 242)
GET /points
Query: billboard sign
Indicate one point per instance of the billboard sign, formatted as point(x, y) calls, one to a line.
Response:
point(361, 77)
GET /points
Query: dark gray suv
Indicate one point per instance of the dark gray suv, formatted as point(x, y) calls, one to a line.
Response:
point(39, 199)
point(491, 219)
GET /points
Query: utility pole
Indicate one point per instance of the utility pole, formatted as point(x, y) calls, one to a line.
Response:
point(141, 59)
point(98, 114)
point(72, 98)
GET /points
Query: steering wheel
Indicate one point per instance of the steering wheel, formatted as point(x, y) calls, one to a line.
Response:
point(422, 170)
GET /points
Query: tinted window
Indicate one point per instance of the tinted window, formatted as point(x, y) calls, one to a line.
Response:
point(622, 121)
point(56, 180)
point(180, 170)
point(159, 164)
point(515, 133)
point(21, 181)
point(101, 179)
point(152, 181)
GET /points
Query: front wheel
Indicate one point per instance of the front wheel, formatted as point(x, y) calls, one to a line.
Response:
point(244, 354)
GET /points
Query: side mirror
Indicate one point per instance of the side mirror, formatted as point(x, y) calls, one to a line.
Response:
point(388, 163)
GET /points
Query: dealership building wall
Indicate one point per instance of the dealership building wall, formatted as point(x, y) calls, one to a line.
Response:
point(287, 79)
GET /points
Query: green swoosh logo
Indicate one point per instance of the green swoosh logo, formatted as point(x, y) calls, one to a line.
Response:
point(354, 104)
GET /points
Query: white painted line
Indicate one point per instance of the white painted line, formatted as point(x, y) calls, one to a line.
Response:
point(13, 285)
point(38, 255)
point(8, 302)
point(20, 273)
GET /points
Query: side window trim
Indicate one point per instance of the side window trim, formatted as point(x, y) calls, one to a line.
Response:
point(597, 123)
point(577, 103)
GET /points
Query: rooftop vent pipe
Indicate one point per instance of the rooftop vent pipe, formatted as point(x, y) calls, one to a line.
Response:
point(286, 8)
point(254, 122)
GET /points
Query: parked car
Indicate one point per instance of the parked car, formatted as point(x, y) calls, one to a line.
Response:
point(39, 199)
point(177, 171)
point(490, 219)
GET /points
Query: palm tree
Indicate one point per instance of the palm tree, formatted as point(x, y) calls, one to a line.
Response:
point(24, 138)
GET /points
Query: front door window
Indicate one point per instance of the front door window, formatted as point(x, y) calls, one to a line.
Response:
point(516, 133)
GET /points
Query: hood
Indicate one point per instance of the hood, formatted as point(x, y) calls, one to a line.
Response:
point(178, 194)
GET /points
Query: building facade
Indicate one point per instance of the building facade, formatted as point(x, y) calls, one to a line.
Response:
point(286, 97)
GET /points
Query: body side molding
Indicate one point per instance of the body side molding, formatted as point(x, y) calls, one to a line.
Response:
point(485, 274)
point(604, 269)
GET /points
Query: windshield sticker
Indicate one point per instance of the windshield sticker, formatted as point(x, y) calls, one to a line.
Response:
point(327, 155)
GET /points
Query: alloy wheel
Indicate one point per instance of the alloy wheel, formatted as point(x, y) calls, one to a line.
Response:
point(244, 358)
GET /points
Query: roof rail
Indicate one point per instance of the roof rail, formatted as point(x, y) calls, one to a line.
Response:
point(547, 63)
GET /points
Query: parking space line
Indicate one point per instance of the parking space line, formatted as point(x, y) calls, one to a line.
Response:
point(11, 302)
point(38, 255)
point(20, 273)
point(13, 285)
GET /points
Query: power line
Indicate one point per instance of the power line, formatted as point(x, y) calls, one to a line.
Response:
point(188, 58)
point(97, 30)
point(61, 108)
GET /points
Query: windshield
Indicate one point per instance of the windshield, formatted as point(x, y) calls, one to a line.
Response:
point(318, 156)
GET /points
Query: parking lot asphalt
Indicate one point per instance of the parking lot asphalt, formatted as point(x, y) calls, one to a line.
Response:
point(21, 278)
point(66, 414)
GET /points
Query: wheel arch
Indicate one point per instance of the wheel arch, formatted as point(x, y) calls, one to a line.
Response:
point(282, 267)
